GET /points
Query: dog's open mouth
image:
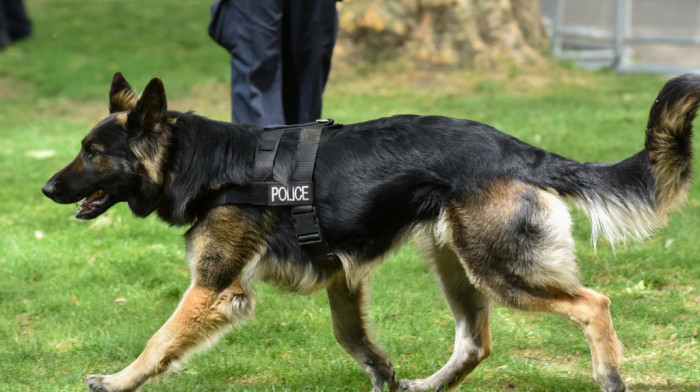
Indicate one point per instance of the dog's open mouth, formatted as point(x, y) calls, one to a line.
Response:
point(91, 206)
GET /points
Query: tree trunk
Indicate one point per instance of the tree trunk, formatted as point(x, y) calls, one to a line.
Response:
point(485, 34)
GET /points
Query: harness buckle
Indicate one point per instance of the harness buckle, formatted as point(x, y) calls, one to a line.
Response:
point(309, 234)
point(306, 224)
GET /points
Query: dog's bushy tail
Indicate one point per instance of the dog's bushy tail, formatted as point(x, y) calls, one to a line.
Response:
point(633, 197)
point(668, 140)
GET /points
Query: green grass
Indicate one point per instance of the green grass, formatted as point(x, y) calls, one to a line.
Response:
point(61, 320)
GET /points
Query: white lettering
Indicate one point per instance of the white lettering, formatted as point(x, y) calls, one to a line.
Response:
point(292, 194)
point(275, 192)
point(301, 192)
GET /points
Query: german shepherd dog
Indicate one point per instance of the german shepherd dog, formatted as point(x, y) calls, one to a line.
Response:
point(487, 210)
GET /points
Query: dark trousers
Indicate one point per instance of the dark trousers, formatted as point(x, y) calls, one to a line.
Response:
point(280, 58)
point(14, 20)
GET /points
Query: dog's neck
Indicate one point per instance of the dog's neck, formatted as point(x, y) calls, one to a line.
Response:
point(203, 156)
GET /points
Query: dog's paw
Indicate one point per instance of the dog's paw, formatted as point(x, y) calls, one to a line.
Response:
point(611, 381)
point(386, 385)
point(94, 382)
point(384, 379)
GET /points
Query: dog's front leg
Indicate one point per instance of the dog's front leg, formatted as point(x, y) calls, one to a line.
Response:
point(202, 314)
point(348, 313)
point(218, 247)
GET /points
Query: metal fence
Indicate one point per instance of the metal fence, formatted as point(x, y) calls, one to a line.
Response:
point(627, 35)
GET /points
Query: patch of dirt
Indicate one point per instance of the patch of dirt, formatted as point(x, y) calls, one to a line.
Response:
point(26, 324)
point(7, 91)
point(89, 111)
point(211, 100)
point(391, 79)
point(258, 379)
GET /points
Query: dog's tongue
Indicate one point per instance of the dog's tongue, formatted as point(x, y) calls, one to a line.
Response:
point(88, 205)
point(94, 196)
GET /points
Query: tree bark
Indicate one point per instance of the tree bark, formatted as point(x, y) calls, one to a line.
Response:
point(485, 34)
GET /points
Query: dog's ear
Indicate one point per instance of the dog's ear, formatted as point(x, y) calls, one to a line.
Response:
point(149, 113)
point(121, 97)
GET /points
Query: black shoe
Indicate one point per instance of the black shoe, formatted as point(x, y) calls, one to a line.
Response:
point(18, 35)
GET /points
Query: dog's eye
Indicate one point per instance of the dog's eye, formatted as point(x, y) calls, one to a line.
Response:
point(91, 152)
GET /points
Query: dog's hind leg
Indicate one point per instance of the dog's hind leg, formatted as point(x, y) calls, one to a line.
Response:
point(348, 313)
point(515, 243)
point(590, 311)
point(218, 248)
point(471, 312)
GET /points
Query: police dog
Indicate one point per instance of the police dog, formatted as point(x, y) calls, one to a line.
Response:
point(486, 207)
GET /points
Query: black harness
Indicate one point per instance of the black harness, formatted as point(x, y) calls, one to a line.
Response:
point(298, 193)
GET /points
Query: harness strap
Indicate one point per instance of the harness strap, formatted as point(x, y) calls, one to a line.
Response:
point(304, 216)
point(307, 148)
point(298, 194)
point(256, 194)
point(265, 155)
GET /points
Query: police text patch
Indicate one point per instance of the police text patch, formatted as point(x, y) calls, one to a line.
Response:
point(293, 194)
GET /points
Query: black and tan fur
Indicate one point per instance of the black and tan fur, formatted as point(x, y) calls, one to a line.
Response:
point(487, 210)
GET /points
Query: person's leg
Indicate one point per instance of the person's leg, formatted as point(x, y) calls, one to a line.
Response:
point(4, 36)
point(18, 24)
point(310, 27)
point(256, 74)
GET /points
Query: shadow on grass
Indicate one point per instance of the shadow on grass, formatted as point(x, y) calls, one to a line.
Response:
point(345, 377)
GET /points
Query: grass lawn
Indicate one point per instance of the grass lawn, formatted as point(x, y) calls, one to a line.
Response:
point(83, 297)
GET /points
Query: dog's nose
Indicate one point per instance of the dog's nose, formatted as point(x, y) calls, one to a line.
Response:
point(49, 188)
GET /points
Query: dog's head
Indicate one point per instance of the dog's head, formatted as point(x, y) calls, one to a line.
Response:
point(121, 158)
